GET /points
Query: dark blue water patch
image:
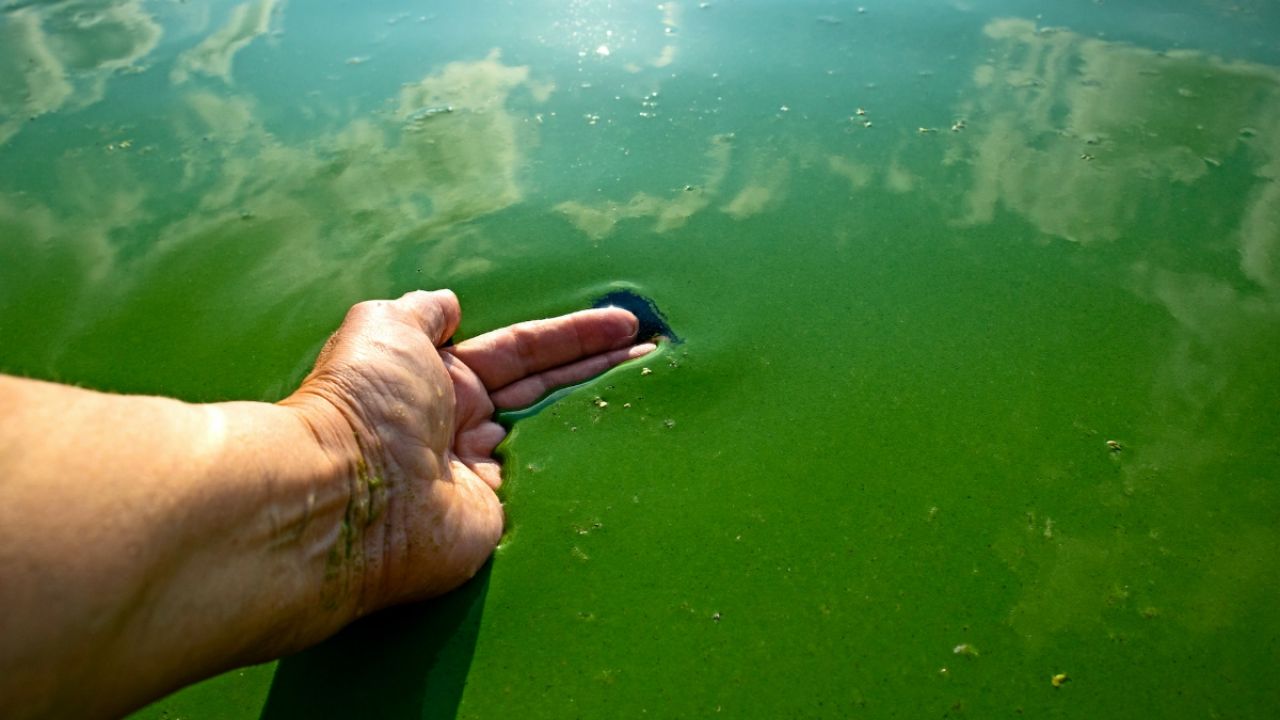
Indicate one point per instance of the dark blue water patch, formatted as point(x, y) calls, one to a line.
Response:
point(653, 324)
point(653, 327)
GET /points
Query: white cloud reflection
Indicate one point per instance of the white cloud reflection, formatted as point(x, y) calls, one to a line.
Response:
point(334, 211)
point(599, 220)
point(1178, 153)
point(1074, 133)
point(60, 56)
point(766, 187)
point(213, 56)
point(353, 197)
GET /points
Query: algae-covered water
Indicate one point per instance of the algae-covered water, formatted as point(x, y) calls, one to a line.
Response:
point(980, 304)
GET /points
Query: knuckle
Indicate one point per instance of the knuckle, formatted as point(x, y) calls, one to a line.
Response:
point(364, 309)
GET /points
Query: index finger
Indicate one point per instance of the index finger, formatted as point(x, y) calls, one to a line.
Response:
point(504, 356)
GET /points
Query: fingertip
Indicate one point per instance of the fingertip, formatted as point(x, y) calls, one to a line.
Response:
point(626, 329)
point(438, 311)
point(633, 322)
point(447, 300)
point(453, 313)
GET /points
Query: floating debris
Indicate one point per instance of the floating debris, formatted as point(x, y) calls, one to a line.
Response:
point(358, 60)
point(958, 125)
point(426, 113)
point(600, 402)
point(1059, 680)
point(646, 371)
point(1114, 446)
point(859, 112)
point(965, 649)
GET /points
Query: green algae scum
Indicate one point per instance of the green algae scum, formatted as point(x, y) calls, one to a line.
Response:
point(976, 408)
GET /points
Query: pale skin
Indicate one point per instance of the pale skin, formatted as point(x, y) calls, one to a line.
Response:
point(146, 543)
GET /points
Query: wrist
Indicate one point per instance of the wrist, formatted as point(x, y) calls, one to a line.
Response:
point(343, 547)
point(293, 480)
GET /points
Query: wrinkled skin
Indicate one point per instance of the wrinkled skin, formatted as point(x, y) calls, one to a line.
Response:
point(413, 420)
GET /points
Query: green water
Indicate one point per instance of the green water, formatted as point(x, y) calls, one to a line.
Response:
point(874, 481)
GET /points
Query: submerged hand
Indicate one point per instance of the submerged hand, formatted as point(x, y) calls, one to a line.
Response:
point(414, 421)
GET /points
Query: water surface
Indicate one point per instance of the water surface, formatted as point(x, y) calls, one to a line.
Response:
point(979, 302)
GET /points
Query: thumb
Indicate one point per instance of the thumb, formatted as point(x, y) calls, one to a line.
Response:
point(438, 312)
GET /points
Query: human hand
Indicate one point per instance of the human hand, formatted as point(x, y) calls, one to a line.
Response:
point(413, 422)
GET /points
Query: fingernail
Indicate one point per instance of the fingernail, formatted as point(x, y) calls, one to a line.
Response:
point(641, 349)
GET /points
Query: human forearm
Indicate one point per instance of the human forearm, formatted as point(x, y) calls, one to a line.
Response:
point(145, 542)
point(170, 539)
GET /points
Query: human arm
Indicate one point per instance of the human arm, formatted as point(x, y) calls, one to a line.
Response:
point(146, 543)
